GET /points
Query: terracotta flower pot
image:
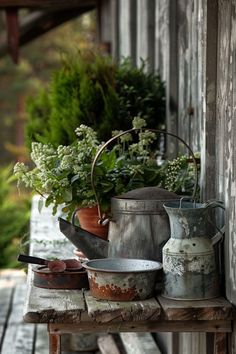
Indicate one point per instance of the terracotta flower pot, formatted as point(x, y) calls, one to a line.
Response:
point(88, 219)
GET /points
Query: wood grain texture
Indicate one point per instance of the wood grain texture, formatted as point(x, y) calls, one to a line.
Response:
point(139, 343)
point(54, 344)
point(145, 32)
point(103, 311)
point(41, 340)
point(220, 343)
point(225, 134)
point(140, 326)
point(208, 126)
point(18, 337)
point(107, 345)
point(51, 305)
point(194, 343)
point(214, 309)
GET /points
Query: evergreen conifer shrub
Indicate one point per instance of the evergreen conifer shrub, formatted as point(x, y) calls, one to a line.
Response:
point(93, 90)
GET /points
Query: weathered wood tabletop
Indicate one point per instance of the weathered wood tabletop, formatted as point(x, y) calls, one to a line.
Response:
point(76, 311)
point(78, 307)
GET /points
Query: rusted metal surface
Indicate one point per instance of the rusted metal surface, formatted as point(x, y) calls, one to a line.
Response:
point(189, 264)
point(122, 279)
point(44, 278)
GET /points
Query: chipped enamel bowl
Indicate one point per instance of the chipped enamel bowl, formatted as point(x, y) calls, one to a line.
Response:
point(122, 279)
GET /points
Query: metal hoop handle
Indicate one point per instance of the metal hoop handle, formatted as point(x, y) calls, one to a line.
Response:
point(101, 217)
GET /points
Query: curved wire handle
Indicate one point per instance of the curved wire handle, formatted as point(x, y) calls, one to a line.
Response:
point(101, 217)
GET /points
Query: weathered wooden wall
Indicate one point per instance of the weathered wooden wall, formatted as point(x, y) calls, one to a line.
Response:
point(226, 133)
point(193, 44)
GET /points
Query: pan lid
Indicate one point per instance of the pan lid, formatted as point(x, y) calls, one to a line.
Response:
point(148, 193)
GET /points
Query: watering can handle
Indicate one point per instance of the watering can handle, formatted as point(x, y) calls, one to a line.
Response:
point(219, 235)
point(101, 217)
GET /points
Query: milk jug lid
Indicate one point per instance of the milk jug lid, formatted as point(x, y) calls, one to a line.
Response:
point(149, 193)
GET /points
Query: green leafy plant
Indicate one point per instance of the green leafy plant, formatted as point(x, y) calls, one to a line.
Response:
point(62, 175)
point(14, 219)
point(92, 89)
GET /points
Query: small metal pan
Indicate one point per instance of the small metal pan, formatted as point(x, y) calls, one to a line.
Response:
point(55, 266)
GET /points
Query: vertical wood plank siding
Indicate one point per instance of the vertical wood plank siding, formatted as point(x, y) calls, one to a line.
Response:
point(193, 44)
point(189, 62)
point(115, 29)
point(162, 37)
point(145, 32)
point(127, 29)
point(194, 343)
point(226, 134)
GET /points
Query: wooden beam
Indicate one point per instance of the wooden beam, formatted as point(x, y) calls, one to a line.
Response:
point(56, 4)
point(220, 343)
point(13, 33)
point(54, 344)
point(40, 22)
point(220, 326)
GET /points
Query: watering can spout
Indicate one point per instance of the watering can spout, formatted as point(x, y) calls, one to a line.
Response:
point(91, 245)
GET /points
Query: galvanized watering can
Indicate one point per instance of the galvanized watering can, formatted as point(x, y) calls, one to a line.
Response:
point(139, 225)
point(189, 261)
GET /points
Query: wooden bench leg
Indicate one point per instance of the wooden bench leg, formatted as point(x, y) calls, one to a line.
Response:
point(220, 343)
point(54, 343)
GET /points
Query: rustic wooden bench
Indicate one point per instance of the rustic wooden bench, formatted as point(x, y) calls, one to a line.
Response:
point(76, 311)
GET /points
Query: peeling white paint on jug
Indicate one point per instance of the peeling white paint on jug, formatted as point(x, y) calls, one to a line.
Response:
point(189, 260)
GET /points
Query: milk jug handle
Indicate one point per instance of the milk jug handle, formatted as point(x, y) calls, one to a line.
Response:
point(214, 204)
point(219, 235)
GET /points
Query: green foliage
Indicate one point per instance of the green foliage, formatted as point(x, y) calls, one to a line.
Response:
point(14, 219)
point(38, 107)
point(91, 89)
point(62, 175)
point(140, 94)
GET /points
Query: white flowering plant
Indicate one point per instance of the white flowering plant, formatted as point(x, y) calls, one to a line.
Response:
point(62, 175)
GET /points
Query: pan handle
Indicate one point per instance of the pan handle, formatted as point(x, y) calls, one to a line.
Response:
point(30, 259)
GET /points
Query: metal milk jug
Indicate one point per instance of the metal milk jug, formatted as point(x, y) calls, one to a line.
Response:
point(189, 261)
